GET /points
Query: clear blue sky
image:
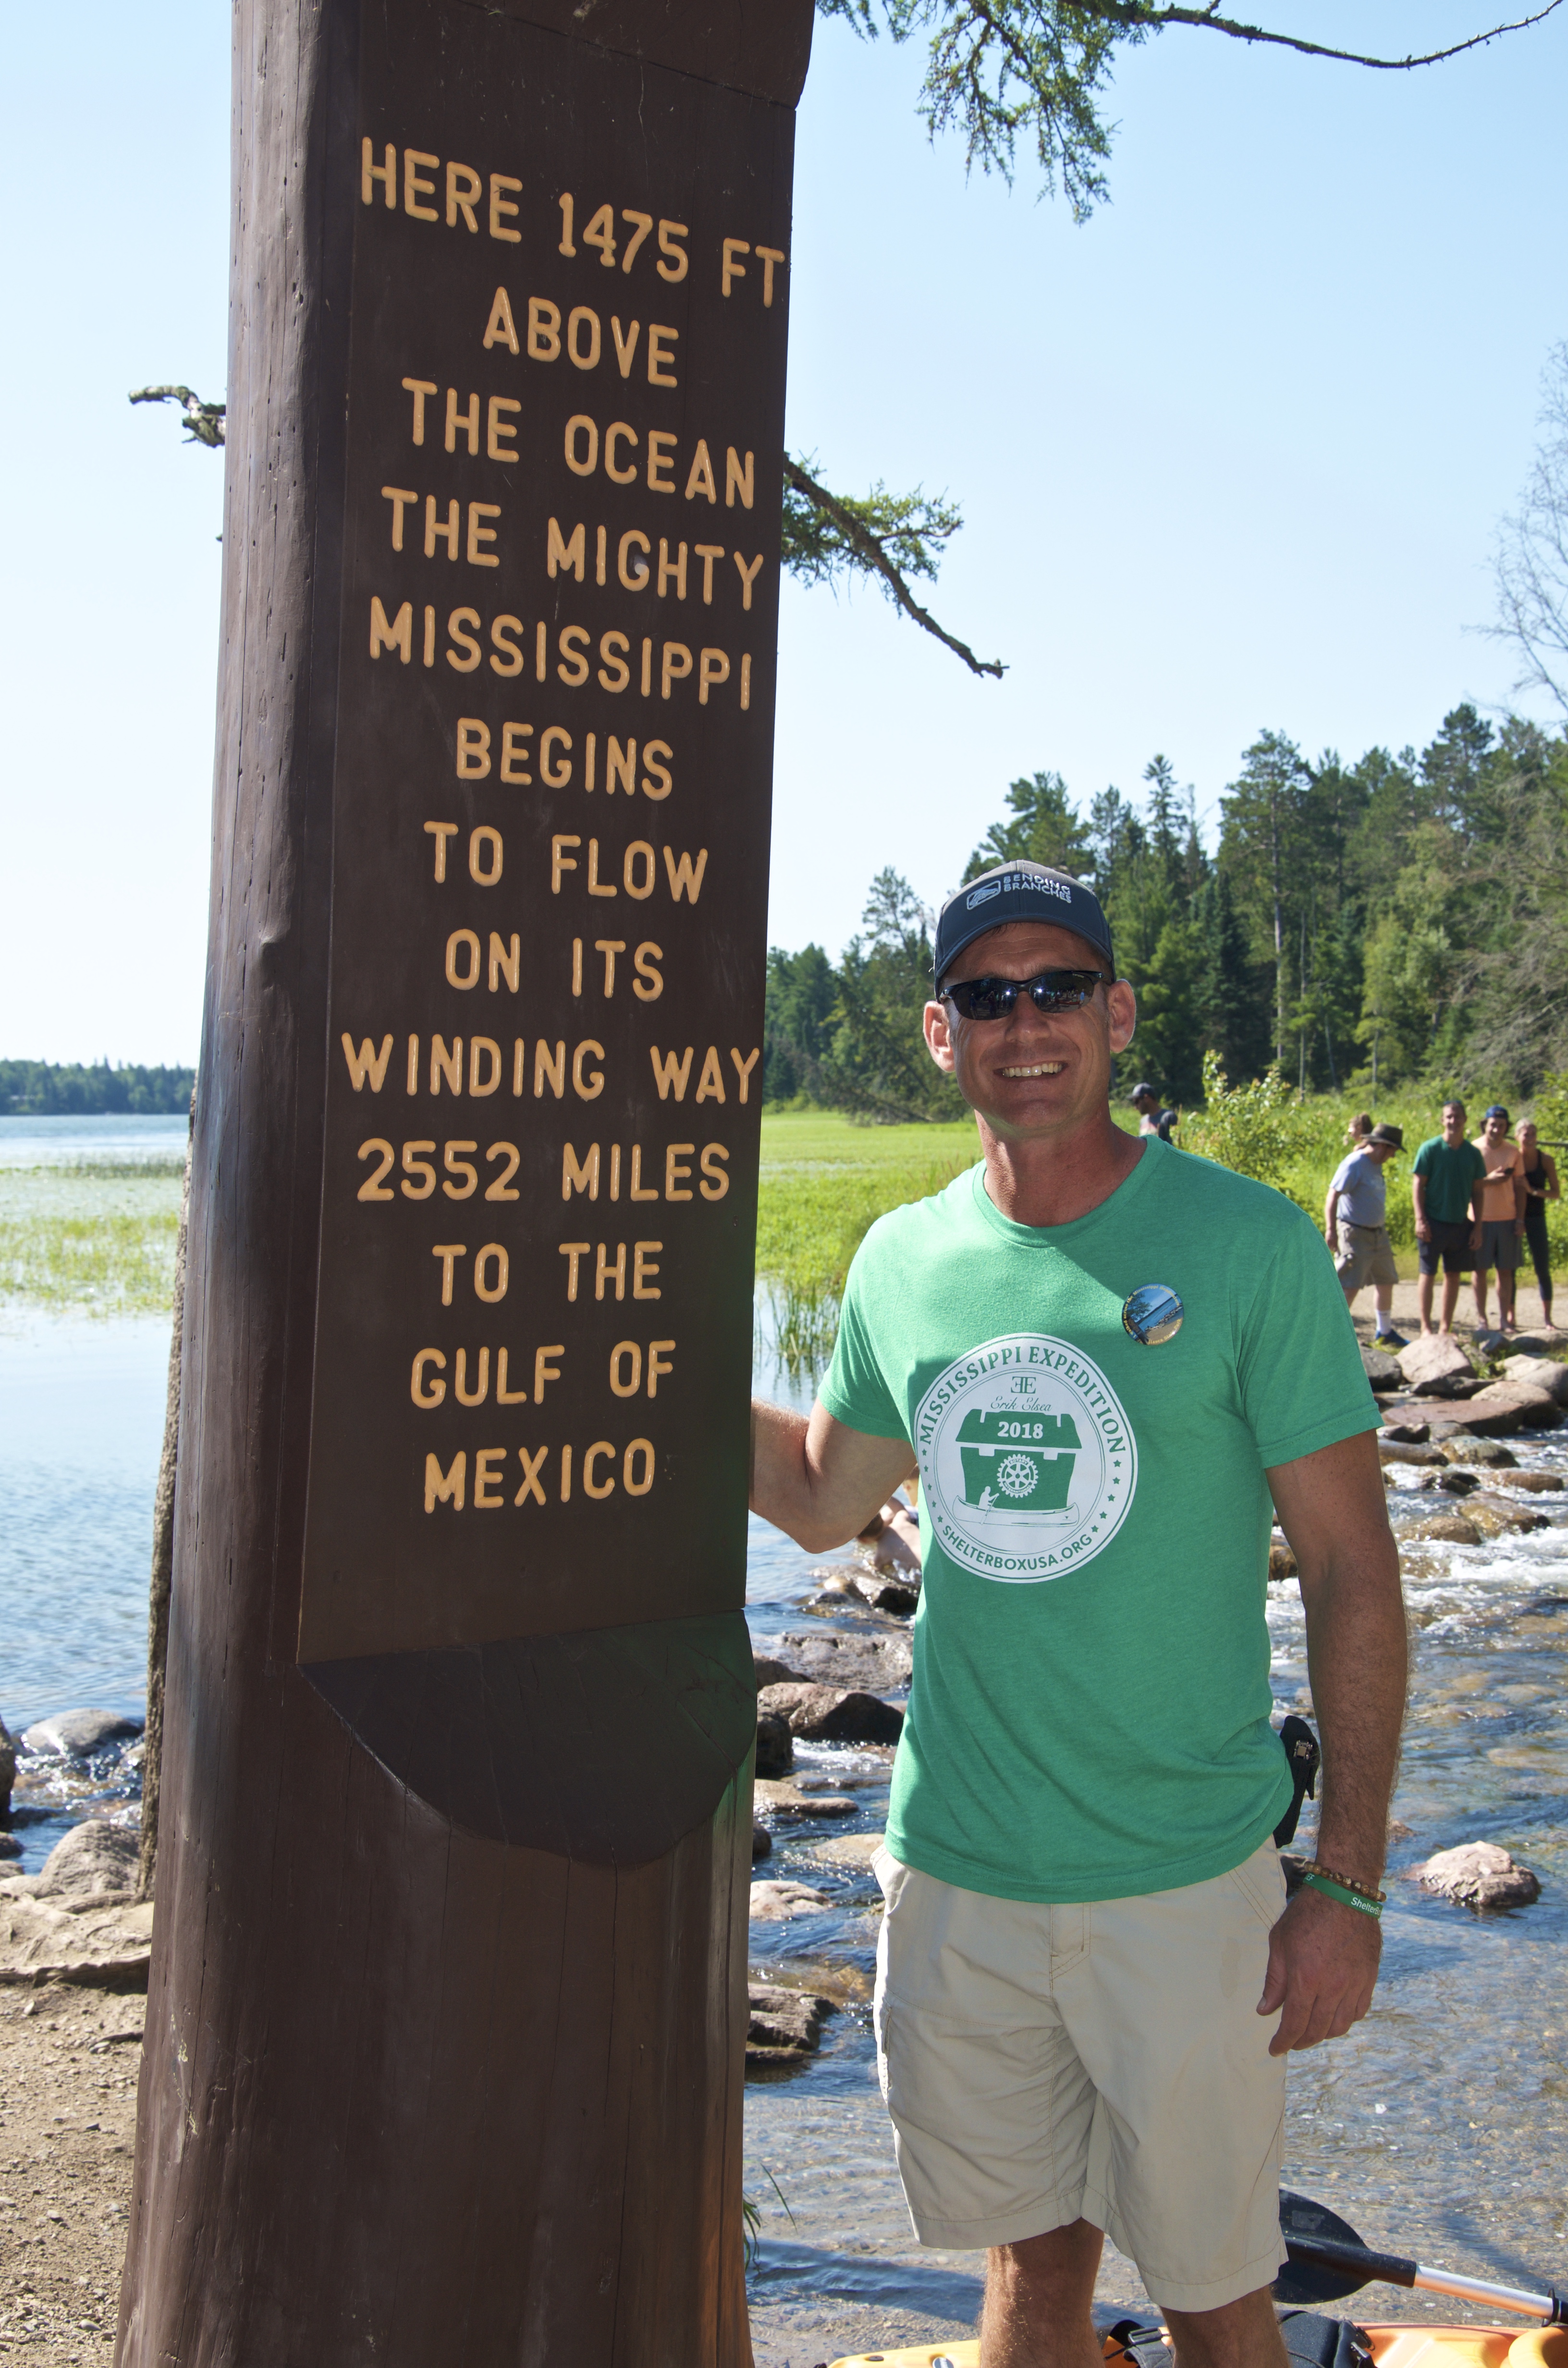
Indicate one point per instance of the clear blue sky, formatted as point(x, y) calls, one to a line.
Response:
point(1230, 456)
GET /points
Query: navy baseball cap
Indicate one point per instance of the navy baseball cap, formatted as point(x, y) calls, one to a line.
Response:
point(1018, 891)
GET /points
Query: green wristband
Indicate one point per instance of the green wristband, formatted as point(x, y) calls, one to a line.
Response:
point(1347, 1899)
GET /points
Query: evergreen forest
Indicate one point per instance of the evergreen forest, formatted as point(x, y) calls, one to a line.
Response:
point(1398, 921)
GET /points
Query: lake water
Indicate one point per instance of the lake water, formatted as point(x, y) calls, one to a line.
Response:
point(1440, 2127)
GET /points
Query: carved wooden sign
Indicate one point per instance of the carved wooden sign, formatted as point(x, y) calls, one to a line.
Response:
point(549, 842)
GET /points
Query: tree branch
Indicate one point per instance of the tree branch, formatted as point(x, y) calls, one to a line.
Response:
point(870, 552)
point(1135, 14)
point(203, 421)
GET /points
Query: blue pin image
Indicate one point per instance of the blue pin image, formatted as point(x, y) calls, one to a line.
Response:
point(1153, 1314)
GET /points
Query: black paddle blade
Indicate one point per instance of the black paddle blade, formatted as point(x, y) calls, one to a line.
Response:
point(1306, 2283)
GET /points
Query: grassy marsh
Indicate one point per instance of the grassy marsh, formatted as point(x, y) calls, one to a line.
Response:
point(91, 1238)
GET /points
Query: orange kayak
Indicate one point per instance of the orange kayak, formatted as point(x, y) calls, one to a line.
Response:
point(1393, 2346)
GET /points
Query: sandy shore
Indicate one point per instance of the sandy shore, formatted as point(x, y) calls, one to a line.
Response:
point(70, 2059)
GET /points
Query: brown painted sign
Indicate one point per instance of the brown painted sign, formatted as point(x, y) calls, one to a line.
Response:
point(550, 828)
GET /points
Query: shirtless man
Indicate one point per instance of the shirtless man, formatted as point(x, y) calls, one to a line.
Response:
point(1502, 1216)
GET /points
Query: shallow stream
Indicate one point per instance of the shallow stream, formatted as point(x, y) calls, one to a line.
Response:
point(1439, 2128)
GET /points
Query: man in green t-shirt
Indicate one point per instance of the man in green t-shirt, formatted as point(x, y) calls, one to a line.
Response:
point(1105, 1357)
point(1446, 1184)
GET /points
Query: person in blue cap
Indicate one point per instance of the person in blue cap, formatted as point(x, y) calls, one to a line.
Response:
point(1109, 1362)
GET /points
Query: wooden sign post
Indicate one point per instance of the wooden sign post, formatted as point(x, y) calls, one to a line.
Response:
point(444, 2036)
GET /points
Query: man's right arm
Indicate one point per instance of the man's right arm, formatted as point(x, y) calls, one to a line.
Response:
point(818, 1480)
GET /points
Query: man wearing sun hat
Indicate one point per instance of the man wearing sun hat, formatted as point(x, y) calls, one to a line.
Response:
point(1354, 1221)
point(1106, 1358)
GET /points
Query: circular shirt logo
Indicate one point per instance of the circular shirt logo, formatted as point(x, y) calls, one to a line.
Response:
point(1026, 1459)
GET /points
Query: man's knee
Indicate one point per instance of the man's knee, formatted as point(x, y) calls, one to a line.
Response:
point(1055, 2270)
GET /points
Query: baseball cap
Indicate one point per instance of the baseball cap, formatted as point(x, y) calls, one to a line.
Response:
point(1495, 1109)
point(1018, 891)
point(1142, 1089)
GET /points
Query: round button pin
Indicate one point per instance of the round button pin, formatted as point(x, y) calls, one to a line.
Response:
point(1153, 1314)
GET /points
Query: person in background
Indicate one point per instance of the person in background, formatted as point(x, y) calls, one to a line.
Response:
point(1539, 1170)
point(1359, 1128)
point(1152, 1118)
point(1502, 1217)
point(1354, 1223)
point(1446, 1188)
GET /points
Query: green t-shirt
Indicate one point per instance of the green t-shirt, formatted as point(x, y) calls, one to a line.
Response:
point(1450, 1171)
point(1089, 1714)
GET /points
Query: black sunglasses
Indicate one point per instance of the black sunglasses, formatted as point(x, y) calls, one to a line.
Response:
point(1048, 990)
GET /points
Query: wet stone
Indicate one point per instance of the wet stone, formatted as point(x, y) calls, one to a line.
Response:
point(1382, 1370)
point(1281, 1561)
point(1479, 1874)
point(1540, 1484)
point(1455, 1482)
point(1488, 1452)
point(1398, 1452)
point(1538, 1373)
point(877, 1664)
point(761, 1842)
point(775, 1745)
point(1430, 1361)
point(1445, 1528)
point(778, 1903)
point(833, 1714)
point(1495, 1517)
point(1405, 1434)
point(73, 1734)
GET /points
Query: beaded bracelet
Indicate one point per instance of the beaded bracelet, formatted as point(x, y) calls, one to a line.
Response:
point(1365, 1890)
point(1338, 1891)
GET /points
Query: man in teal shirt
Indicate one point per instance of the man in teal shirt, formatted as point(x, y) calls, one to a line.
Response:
point(1110, 1361)
point(1445, 1185)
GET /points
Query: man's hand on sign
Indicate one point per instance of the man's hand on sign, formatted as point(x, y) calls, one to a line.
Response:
point(1322, 1969)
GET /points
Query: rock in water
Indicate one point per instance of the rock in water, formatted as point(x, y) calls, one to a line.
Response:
point(761, 1842)
point(784, 2027)
point(1445, 1528)
point(1281, 1561)
point(73, 1734)
point(1540, 1373)
point(775, 1745)
point(1494, 1516)
point(775, 1673)
point(94, 1858)
point(831, 1715)
point(1540, 1484)
point(848, 1850)
point(1487, 1452)
point(777, 1903)
point(1382, 1370)
point(7, 1766)
point(1394, 1452)
point(1507, 1407)
point(1405, 1434)
point(1455, 1483)
point(1479, 1874)
point(876, 1664)
point(1430, 1360)
point(885, 1592)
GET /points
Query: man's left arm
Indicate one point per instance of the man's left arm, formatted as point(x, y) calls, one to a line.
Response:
point(1323, 1956)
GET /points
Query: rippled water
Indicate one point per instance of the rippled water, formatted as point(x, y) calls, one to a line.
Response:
point(1440, 2127)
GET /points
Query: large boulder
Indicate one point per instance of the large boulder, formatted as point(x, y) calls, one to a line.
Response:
point(1431, 1360)
point(1540, 1373)
point(833, 1714)
point(848, 1850)
point(770, 1672)
point(94, 1860)
point(1382, 1371)
point(1540, 1484)
point(75, 1733)
point(1444, 1529)
point(1504, 1407)
point(1479, 1874)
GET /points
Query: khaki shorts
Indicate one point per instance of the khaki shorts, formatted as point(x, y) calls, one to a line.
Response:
point(1365, 1256)
point(1104, 2063)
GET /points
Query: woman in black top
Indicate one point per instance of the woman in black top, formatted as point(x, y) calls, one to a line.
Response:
point(1539, 1170)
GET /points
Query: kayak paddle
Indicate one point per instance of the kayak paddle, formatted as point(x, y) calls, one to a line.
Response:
point(1328, 2261)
